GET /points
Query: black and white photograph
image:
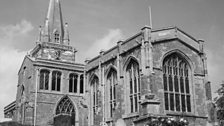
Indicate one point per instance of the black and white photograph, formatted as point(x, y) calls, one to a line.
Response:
point(111, 62)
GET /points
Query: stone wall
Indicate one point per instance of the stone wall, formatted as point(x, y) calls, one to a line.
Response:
point(164, 43)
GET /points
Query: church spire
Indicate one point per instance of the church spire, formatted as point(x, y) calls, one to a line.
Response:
point(54, 28)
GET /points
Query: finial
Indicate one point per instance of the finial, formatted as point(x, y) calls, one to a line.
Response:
point(150, 16)
point(66, 39)
point(54, 22)
point(40, 34)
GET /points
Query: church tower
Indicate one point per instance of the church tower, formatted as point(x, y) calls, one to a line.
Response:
point(53, 41)
point(54, 30)
point(51, 86)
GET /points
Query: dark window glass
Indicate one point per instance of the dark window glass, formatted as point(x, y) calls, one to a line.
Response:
point(181, 84)
point(171, 101)
point(44, 79)
point(135, 84)
point(187, 85)
point(164, 69)
point(188, 103)
point(136, 103)
point(56, 81)
point(111, 109)
point(73, 82)
point(130, 79)
point(81, 85)
point(165, 82)
point(170, 83)
point(186, 71)
point(70, 85)
point(183, 103)
point(166, 101)
point(53, 82)
point(132, 108)
point(176, 84)
point(114, 92)
point(170, 69)
point(177, 99)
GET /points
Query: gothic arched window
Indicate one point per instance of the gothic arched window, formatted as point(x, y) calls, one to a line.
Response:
point(95, 94)
point(56, 81)
point(81, 84)
point(73, 82)
point(65, 106)
point(111, 84)
point(133, 81)
point(44, 79)
point(176, 76)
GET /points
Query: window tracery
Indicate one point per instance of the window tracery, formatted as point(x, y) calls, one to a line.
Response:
point(176, 83)
point(95, 94)
point(111, 84)
point(65, 106)
point(133, 80)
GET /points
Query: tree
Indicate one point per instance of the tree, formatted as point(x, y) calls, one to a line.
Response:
point(219, 102)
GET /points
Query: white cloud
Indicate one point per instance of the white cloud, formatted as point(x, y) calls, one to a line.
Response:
point(10, 60)
point(15, 34)
point(106, 42)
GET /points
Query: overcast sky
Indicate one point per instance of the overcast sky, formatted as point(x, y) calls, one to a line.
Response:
point(99, 24)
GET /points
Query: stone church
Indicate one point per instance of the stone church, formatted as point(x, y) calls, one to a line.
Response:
point(157, 75)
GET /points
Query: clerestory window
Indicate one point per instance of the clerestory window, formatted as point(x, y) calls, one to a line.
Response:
point(176, 76)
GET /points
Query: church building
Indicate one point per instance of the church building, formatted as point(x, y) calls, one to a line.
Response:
point(50, 82)
point(157, 76)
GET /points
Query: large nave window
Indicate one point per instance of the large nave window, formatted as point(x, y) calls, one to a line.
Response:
point(95, 94)
point(176, 76)
point(134, 85)
point(111, 84)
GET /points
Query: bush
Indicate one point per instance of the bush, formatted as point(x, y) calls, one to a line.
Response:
point(12, 123)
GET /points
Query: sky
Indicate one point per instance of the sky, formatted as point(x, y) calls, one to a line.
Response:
point(98, 24)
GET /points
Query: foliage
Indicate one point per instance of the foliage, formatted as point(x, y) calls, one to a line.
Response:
point(167, 122)
point(12, 123)
point(219, 101)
